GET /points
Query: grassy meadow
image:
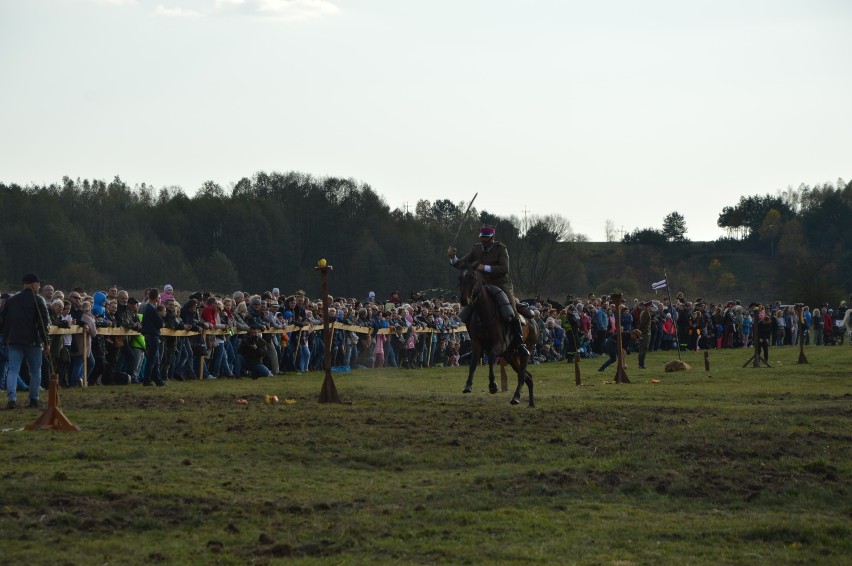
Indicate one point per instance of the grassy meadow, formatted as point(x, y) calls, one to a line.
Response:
point(732, 466)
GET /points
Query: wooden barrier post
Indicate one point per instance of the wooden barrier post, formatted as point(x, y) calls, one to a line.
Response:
point(328, 393)
point(52, 418)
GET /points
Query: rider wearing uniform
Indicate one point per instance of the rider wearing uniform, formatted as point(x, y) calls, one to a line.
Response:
point(491, 259)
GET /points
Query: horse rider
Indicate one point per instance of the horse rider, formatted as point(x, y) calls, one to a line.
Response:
point(491, 259)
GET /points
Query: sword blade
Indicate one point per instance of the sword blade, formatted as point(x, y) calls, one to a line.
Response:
point(464, 217)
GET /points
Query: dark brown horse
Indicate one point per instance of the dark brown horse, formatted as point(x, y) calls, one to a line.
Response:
point(490, 335)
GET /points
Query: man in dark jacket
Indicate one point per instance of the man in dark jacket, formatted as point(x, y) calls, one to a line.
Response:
point(152, 322)
point(644, 327)
point(491, 259)
point(24, 323)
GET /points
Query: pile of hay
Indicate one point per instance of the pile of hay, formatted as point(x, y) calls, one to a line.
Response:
point(677, 365)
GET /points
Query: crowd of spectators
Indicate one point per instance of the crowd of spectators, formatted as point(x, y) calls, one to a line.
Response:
point(700, 325)
point(268, 333)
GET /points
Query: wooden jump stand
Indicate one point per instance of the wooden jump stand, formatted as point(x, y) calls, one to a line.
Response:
point(53, 418)
point(756, 356)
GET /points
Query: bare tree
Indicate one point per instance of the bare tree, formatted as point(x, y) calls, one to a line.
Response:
point(609, 230)
point(535, 261)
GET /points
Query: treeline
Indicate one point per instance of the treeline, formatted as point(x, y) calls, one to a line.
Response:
point(269, 230)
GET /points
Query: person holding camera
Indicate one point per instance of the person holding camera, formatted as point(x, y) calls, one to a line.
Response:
point(251, 353)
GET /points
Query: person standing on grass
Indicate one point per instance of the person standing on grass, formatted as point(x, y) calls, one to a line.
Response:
point(644, 327)
point(847, 324)
point(765, 335)
point(379, 350)
point(24, 327)
point(746, 329)
point(152, 322)
point(611, 346)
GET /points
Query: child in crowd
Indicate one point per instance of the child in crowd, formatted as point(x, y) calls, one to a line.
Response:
point(379, 350)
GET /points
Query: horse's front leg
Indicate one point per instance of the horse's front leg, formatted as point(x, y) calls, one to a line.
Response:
point(519, 364)
point(492, 383)
point(475, 355)
point(529, 381)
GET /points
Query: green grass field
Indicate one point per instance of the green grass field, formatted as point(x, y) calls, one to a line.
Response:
point(738, 466)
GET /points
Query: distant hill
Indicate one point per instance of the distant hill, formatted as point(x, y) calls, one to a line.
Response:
point(698, 269)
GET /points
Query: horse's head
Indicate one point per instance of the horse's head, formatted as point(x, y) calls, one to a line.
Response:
point(468, 280)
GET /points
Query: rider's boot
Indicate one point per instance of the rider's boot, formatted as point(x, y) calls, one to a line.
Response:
point(515, 325)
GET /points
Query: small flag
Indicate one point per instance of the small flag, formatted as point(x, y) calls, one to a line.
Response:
point(660, 284)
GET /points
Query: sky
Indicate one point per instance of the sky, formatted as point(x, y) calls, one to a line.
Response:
point(615, 110)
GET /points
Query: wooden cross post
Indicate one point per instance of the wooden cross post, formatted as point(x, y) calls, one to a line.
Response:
point(754, 330)
point(52, 418)
point(328, 394)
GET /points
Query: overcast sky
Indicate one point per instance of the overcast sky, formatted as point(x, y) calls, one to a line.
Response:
point(620, 110)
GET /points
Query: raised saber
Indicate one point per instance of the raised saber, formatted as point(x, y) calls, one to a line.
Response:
point(463, 218)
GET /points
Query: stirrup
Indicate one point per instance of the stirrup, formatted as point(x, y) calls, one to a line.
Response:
point(522, 349)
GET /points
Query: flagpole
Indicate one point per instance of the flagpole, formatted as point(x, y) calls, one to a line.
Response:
point(671, 307)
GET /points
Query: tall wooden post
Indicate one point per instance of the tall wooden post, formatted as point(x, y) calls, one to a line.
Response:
point(328, 393)
point(620, 373)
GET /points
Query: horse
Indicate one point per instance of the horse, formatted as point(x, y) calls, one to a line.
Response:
point(489, 334)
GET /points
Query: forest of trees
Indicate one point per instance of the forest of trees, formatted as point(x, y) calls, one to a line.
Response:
point(266, 231)
point(270, 229)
